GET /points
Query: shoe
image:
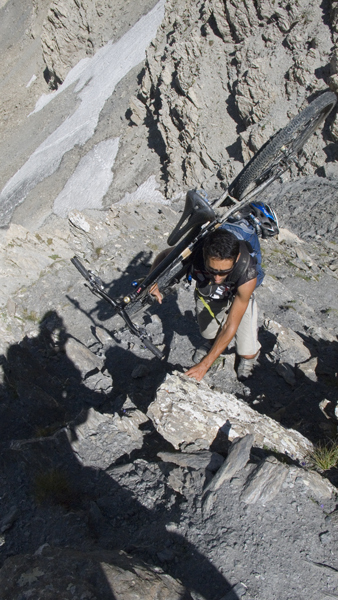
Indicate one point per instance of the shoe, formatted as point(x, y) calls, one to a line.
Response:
point(202, 351)
point(245, 368)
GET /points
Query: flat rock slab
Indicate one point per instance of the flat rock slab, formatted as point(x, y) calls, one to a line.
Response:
point(184, 411)
point(289, 347)
point(317, 486)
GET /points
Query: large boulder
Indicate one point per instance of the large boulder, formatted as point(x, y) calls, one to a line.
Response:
point(185, 411)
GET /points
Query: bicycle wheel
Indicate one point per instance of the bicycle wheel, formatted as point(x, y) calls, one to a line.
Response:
point(277, 155)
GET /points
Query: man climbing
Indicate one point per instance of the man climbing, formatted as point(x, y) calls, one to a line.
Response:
point(227, 269)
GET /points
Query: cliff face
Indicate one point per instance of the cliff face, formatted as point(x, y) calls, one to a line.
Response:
point(222, 77)
point(75, 30)
point(219, 79)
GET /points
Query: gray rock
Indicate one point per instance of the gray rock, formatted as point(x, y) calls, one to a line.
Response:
point(202, 460)
point(84, 360)
point(308, 369)
point(184, 411)
point(316, 485)
point(236, 592)
point(237, 458)
point(185, 482)
point(286, 371)
point(103, 336)
point(289, 347)
point(9, 519)
point(264, 482)
point(99, 439)
point(99, 382)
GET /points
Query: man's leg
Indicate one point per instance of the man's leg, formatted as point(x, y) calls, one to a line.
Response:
point(209, 325)
point(247, 344)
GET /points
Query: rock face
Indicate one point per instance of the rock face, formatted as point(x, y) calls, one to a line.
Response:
point(214, 477)
point(224, 65)
point(74, 30)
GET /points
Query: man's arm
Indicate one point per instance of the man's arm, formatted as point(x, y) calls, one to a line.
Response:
point(154, 291)
point(228, 330)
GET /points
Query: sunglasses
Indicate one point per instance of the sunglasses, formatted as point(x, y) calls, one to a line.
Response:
point(215, 272)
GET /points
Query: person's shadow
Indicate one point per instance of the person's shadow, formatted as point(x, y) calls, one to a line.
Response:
point(42, 395)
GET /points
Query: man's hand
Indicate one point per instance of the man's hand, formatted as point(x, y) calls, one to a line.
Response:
point(198, 371)
point(154, 291)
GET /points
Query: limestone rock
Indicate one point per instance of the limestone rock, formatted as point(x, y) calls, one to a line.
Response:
point(237, 458)
point(288, 236)
point(99, 382)
point(185, 482)
point(264, 482)
point(289, 347)
point(65, 38)
point(9, 519)
point(254, 57)
point(201, 460)
point(308, 368)
point(314, 483)
point(184, 411)
point(103, 336)
point(285, 371)
point(25, 256)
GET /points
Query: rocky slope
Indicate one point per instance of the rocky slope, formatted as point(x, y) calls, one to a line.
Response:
point(120, 478)
point(105, 448)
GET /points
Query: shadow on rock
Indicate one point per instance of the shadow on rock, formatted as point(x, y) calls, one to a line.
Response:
point(293, 392)
point(62, 484)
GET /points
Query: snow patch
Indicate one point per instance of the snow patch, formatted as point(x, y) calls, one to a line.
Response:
point(90, 180)
point(97, 78)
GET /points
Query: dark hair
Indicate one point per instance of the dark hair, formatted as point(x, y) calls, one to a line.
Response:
point(221, 244)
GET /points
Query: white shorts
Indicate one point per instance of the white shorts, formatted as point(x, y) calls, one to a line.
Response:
point(247, 343)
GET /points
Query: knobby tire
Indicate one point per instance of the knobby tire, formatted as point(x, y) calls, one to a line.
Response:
point(276, 156)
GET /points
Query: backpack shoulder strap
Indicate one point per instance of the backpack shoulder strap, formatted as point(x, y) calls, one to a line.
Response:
point(242, 263)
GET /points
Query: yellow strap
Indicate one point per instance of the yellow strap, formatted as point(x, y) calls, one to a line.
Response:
point(208, 309)
point(206, 306)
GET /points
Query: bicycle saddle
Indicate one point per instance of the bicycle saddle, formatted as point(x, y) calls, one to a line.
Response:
point(197, 211)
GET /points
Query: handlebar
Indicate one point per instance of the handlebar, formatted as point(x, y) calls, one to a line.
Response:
point(80, 268)
point(148, 344)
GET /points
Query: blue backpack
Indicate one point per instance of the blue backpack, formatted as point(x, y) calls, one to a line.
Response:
point(244, 231)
